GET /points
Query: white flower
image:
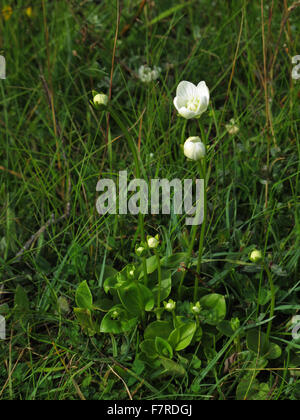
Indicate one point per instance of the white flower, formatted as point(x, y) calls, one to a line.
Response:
point(232, 127)
point(155, 73)
point(147, 75)
point(191, 101)
point(194, 149)
point(296, 69)
point(100, 99)
point(295, 320)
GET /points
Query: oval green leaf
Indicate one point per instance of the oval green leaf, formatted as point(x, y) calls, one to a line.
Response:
point(213, 309)
point(84, 298)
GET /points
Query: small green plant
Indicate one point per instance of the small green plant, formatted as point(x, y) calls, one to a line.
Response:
point(139, 291)
point(166, 327)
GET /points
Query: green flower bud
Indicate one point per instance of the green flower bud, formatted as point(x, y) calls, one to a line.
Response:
point(131, 271)
point(170, 306)
point(115, 315)
point(141, 250)
point(196, 308)
point(256, 256)
point(153, 243)
point(235, 324)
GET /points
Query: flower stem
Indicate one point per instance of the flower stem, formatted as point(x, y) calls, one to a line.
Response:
point(110, 151)
point(183, 131)
point(137, 161)
point(159, 278)
point(193, 240)
point(203, 228)
point(145, 271)
point(174, 319)
point(273, 301)
point(188, 259)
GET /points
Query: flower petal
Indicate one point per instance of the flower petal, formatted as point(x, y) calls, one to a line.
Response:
point(186, 89)
point(203, 92)
point(179, 102)
point(203, 105)
point(186, 113)
point(189, 150)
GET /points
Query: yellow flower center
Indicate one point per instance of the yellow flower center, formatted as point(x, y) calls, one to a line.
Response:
point(193, 104)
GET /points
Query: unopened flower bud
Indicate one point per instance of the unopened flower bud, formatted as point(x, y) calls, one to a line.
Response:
point(100, 99)
point(196, 309)
point(131, 271)
point(194, 149)
point(235, 324)
point(153, 243)
point(140, 250)
point(115, 315)
point(170, 306)
point(256, 256)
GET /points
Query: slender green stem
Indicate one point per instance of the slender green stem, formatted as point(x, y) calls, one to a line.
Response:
point(188, 259)
point(202, 173)
point(141, 299)
point(110, 151)
point(159, 278)
point(183, 135)
point(273, 300)
point(174, 319)
point(137, 161)
point(203, 229)
point(193, 232)
point(145, 271)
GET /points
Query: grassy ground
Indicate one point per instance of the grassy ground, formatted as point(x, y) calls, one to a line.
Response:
point(54, 149)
